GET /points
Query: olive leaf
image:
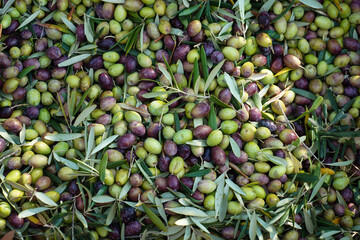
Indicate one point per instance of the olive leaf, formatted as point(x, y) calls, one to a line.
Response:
point(104, 144)
point(267, 6)
point(102, 167)
point(29, 19)
point(203, 60)
point(235, 147)
point(81, 218)
point(213, 74)
point(45, 199)
point(340, 164)
point(314, 106)
point(103, 199)
point(63, 137)
point(234, 187)
point(32, 211)
point(234, 89)
point(312, 3)
point(317, 187)
point(154, 218)
point(69, 24)
point(73, 60)
point(188, 211)
point(304, 93)
point(197, 173)
point(6, 7)
point(212, 117)
point(253, 226)
point(219, 195)
point(65, 161)
point(276, 160)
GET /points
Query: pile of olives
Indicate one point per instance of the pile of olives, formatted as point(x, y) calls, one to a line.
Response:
point(157, 119)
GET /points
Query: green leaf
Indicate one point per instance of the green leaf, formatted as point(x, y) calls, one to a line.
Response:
point(156, 94)
point(218, 102)
point(304, 177)
point(154, 218)
point(204, 63)
point(317, 187)
point(69, 24)
point(188, 211)
point(103, 199)
point(5, 135)
point(197, 223)
point(329, 233)
point(234, 187)
point(29, 19)
point(212, 117)
point(102, 167)
point(64, 137)
point(308, 222)
point(198, 173)
point(267, 6)
point(65, 161)
point(115, 164)
point(45, 199)
point(196, 77)
point(213, 74)
point(84, 114)
point(315, 106)
point(243, 229)
point(177, 121)
point(165, 72)
point(73, 60)
point(312, 4)
point(276, 160)
point(91, 142)
point(342, 134)
point(253, 226)
point(104, 144)
point(197, 143)
point(230, 81)
point(340, 164)
point(6, 7)
point(25, 71)
point(188, 11)
point(304, 93)
point(81, 218)
point(219, 195)
point(111, 215)
point(160, 208)
point(235, 147)
point(31, 212)
point(225, 28)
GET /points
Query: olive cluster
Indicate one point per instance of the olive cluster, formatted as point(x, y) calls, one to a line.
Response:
point(192, 99)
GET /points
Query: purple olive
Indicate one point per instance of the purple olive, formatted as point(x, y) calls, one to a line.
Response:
point(161, 54)
point(170, 148)
point(173, 182)
point(218, 155)
point(163, 163)
point(53, 52)
point(26, 34)
point(11, 28)
point(148, 73)
point(137, 128)
point(180, 53)
point(105, 81)
point(126, 141)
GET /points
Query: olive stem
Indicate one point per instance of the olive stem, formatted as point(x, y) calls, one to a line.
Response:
point(232, 165)
point(19, 105)
point(159, 38)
